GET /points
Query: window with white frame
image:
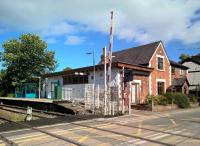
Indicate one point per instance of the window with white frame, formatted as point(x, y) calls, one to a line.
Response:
point(160, 63)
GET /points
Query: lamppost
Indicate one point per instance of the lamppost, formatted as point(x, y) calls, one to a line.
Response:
point(39, 88)
point(93, 59)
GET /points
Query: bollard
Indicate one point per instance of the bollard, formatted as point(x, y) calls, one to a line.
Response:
point(29, 114)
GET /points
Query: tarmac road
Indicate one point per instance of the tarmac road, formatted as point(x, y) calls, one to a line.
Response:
point(180, 127)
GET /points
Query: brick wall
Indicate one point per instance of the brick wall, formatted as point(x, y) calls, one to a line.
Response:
point(159, 74)
point(177, 73)
point(144, 86)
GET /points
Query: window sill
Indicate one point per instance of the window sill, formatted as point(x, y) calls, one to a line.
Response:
point(161, 70)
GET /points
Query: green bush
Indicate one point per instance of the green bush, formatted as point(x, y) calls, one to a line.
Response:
point(169, 97)
point(2, 93)
point(181, 100)
point(158, 100)
point(193, 98)
point(10, 95)
point(161, 100)
point(149, 99)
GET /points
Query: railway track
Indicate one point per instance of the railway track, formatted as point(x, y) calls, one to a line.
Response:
point(99, 129)
point(69, 140)
point(36, 113)
point(39, 114)
point(2, 121)
point(11, 143)
point(86, 126)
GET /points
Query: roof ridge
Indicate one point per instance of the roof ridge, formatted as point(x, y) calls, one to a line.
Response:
point(138, 46)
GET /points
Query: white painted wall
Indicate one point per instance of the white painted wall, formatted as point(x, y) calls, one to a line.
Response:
point(47, 85)
point(192, 66)
point(99, 77)
point(99, 80)
point(78, 91)
point(193, 77)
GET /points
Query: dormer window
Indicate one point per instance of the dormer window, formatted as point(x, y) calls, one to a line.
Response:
point(160, 63)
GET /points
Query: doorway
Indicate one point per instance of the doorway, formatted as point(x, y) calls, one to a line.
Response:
point(135, 93)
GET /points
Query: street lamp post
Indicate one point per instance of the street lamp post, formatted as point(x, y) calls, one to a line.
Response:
point(39, 94)
point(39, 88)
point(94, 78)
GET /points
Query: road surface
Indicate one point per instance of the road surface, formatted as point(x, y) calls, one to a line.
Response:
point(180, 127)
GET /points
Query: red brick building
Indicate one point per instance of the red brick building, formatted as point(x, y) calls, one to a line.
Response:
point(136, 73)
point(151, 56)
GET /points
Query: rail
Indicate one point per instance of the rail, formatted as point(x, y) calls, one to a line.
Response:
point(36, 113)
point(39, 130)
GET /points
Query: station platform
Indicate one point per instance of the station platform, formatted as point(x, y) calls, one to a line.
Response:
point(28, 99)
point(62, 106)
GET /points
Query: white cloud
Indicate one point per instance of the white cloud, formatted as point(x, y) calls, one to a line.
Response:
point(138, 20)
point(74, 40)
point(59, 29)
point(51, 40)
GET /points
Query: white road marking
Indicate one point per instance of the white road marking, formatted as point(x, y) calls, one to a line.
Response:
point(12, 131)
point(157, 137)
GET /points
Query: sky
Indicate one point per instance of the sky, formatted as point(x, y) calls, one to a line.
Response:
point(74, 27)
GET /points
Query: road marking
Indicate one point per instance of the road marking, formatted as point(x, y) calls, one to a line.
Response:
point(55, 132)
point(61, 132)
point(139, 131)
point(173, 122)
point(102, 144)
point(152, 136)
point(2, 143)
point(38, 136)
point(161, 125)
point(15, 131)
point(83, 138)
point(149, 136)
point(45, 126)
point(34, 138)
point(157, 137)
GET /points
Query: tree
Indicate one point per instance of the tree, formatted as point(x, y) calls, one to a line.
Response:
point(182, 57)
point(26, 57)
point(67, 68)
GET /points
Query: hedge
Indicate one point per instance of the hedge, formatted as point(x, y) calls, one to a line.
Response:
point(193, 98)
point(181, 100)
